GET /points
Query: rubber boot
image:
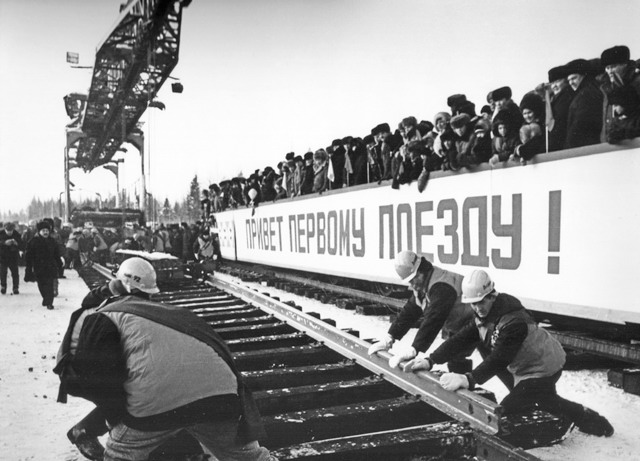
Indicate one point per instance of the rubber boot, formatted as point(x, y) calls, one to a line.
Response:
point(595, 424)
point(90, 447)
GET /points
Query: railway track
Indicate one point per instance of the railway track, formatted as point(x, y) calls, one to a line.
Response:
point(588, 349)
point(323, 398)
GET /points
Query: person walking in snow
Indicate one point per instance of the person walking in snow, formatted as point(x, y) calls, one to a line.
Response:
point(43, 260)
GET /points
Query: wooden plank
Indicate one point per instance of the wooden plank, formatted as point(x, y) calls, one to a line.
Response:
point(347, 420)
point(269, 342)
point(324, 395)
point(449, 440)
point(252, 331)
point(264, 359)
point(302, 376)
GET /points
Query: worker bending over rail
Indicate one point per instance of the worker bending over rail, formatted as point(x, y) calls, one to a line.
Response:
point(510, 341)
point(436, 303)
point(128, 357)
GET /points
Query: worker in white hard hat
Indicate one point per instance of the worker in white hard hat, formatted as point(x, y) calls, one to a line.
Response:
point(435, 303)
point(509, 340)
point(130, 361)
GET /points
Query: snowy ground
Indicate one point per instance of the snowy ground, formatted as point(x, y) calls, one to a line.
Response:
point(33, 426)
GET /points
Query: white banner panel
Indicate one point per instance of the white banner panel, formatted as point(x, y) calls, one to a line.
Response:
point(560, 234)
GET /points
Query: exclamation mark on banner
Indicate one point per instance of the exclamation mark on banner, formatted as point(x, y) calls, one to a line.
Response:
point(555, 202)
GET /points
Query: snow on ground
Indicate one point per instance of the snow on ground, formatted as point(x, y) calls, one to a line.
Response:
point(33, 425)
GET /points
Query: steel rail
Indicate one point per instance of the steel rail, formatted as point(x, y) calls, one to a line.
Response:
point(465, 406)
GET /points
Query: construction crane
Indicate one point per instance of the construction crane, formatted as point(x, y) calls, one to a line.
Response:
point(131, 65)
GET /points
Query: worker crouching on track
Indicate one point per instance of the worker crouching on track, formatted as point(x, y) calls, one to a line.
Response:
point(154, 370)
point(436, 303)
point(510, 340)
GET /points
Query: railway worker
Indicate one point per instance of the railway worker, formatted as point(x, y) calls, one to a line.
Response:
point(510, 341)
point(10, 249)
point(43, 260)
point(436, 304)
point(128, 335)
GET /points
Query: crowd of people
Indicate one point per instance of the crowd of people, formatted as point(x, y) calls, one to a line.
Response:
point(584, 102)
point(49, 246)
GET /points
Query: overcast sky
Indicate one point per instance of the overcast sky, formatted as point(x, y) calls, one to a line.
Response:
point(265, 77)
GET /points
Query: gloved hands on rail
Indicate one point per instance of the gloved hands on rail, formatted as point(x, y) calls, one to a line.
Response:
point(382, 344)
point(402, 355)
point(454, 381)
point(419, 362)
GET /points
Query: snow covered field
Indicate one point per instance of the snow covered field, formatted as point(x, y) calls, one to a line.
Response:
point(33, 426)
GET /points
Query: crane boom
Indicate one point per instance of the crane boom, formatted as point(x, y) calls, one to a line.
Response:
point(131, 66)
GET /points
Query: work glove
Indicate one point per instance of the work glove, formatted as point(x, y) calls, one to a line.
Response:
point(382, 344)
point(454, 381)
point(402, 355)
point(419, 362)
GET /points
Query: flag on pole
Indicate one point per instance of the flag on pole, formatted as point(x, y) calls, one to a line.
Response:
point(73, 58)
point(330, 174)
point(549, 121)
point(347, 163)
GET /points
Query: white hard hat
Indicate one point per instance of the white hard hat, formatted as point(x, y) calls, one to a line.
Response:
point(407, 264)
point(136, 273)
point(476, 286)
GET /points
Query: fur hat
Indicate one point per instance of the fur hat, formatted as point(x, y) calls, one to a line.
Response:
point(441, 115)
point(577, 66)
point(489, 97)
point(368, 139)
point(534, 103)
point(43, 225)
point(455, 100)
point(289, 156)
point(298, 158)
point(482, 125)
point(308, 156)
point(503, 92)
point(382, 128)
point(320, 154)
point(468, 108)
point(347, 140)
point(557, 73)
point(617, 55)
point(409, 122)
point(460, 120)
point(417, 147)
point(336, 143)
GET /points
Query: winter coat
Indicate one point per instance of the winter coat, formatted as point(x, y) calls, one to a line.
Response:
point(630, 78)
point(508, 339)
point(560, 110)
point(307, 177)
point(584, 121)
point(338, 161)
point(144, 381)
point(503, 147)
point(464, 148)
point(320, 180)
point(10, 246)
point(360, 164)
point(441, 309)
point(43, 257)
